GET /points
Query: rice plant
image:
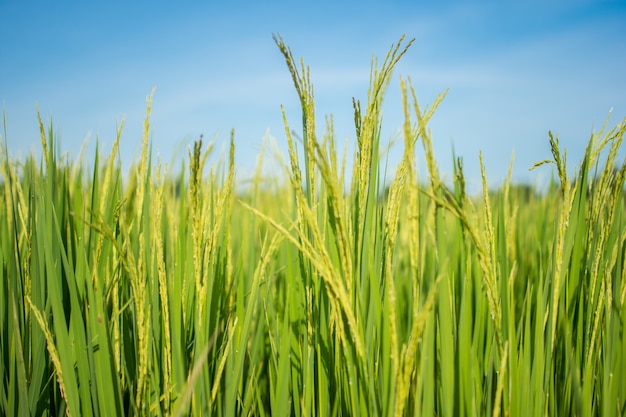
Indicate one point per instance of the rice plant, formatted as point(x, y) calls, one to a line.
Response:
point(150, 292)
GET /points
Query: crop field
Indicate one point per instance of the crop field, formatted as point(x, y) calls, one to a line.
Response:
point(327, 292)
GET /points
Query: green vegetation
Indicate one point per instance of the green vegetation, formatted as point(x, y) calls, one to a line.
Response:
point(154, 293)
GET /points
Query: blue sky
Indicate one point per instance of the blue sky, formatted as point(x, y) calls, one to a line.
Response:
point(514, 71)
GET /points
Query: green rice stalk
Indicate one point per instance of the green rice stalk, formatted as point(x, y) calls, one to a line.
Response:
point(409, 352)
point(497, 408)
point(488, 261)
point(156, 209)
point(52, 350)
point(304, 88)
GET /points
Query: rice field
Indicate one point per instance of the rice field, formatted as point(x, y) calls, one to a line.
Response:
point(149, 292)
